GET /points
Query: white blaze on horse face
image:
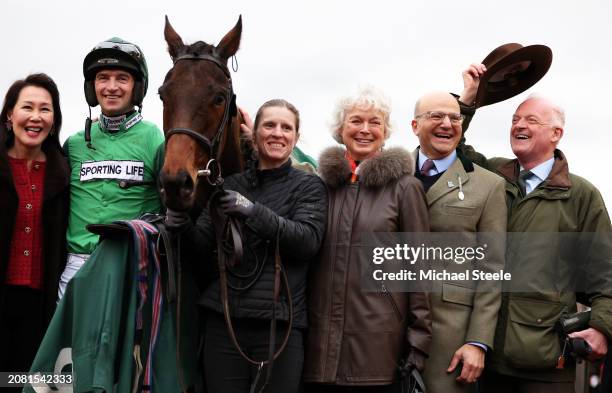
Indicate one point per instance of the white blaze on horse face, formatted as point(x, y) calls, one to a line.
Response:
point(114, 90)
point(275, 137)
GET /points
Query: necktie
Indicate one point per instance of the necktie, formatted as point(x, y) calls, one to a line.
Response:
point(427, 166)
point(522, 181)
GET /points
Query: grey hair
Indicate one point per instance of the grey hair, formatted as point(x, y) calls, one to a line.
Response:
point(368, 97)
point(558, 113)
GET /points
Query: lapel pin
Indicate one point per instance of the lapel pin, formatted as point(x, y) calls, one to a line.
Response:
point(460, 195)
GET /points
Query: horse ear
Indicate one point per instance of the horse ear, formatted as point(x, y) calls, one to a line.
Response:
point(175, 42)
point(230, 43)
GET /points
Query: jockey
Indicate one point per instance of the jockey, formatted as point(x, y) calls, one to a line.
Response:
point(115, 160)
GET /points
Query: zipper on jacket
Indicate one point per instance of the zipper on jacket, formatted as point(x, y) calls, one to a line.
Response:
point(388, 295)
point(331, 271)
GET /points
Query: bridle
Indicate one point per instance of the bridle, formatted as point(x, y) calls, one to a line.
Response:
point(212, 170)
point(228, 228)
point(213, 175)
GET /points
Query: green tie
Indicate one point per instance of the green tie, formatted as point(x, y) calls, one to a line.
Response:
point(522, 181)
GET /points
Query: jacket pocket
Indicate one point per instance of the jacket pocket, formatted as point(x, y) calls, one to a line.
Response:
point(531, 339)
point(385, 292)
point(457, 294)
point(460, 210)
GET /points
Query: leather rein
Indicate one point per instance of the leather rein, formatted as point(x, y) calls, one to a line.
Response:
point(227, 229)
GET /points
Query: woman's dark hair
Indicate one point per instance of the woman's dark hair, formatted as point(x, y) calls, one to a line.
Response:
point(10, 100)
point(279, 102)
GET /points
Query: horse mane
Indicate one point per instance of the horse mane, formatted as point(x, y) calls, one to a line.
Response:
point(197, 48)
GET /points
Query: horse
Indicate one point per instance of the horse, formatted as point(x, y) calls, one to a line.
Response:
point(200, 120)
point(202, 129)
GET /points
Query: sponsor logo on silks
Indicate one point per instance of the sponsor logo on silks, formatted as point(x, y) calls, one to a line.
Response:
point(133, 121)
point(108, 60)
point(115, 123)
point(118, 170)
point(112, 123)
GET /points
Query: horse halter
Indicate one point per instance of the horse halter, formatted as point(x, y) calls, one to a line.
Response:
point(230, 110)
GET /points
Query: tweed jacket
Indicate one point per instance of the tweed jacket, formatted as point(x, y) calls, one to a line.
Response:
point(467, 309)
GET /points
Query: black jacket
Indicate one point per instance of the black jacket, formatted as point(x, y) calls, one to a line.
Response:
point(287, 199)
point(54, 220)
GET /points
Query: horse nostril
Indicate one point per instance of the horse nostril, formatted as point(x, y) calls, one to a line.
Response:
point(186, 185)
point(180, 185)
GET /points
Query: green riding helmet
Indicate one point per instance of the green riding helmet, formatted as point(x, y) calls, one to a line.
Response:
point(116, 53)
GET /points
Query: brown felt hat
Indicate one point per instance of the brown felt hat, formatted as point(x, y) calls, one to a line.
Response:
point(511, 69)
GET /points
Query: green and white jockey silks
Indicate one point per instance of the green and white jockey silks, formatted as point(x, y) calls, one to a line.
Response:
point(126, 156)
point(303, 161)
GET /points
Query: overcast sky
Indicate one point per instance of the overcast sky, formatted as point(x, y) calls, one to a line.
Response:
point(311, 53)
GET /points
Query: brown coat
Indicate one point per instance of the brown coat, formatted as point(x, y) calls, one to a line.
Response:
point(357, 337)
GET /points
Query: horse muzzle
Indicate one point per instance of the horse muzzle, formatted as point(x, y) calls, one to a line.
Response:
point(177, 190)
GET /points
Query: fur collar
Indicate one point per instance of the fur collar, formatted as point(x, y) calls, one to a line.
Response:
point(389, 165)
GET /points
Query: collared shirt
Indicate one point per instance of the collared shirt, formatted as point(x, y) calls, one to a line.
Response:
point(539, 174)
point(440, 165)
point(25, 258)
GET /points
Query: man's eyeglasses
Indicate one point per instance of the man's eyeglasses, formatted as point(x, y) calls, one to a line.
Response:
point(531, 120)
point(438, 117)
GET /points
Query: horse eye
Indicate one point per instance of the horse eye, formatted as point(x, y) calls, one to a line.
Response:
point(218, 99)
point(159, 93)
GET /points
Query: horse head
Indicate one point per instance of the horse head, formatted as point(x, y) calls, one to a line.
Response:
point(201, 122)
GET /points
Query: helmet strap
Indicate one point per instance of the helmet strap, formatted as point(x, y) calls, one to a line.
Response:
point(88, 130)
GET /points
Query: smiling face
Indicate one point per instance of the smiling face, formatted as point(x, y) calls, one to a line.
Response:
point(437, 138)
point(275, 136)
point(535, 132)
point(114, 90)
point(363, 132)
point(31, 118)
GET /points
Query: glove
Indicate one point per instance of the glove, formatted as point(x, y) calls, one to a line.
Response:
point(178, 221)
point(235, 204)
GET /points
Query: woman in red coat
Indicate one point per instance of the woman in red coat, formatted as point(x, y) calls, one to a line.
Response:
point(34, 198)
